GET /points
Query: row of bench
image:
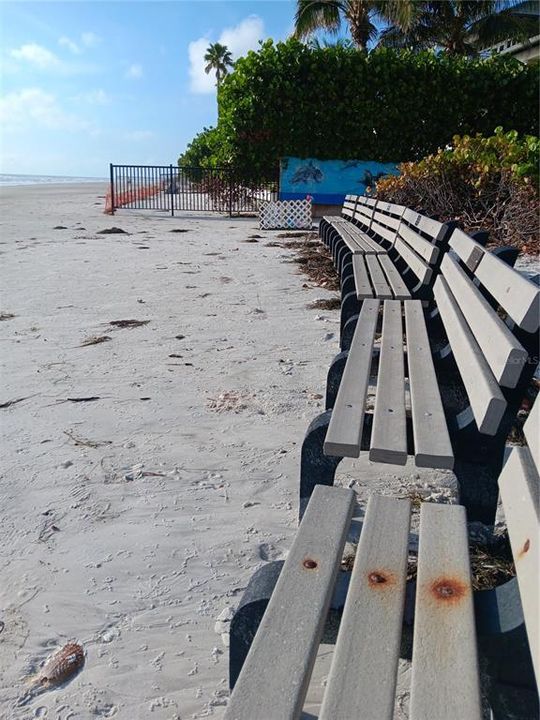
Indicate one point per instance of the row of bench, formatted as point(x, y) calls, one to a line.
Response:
point(458, 347)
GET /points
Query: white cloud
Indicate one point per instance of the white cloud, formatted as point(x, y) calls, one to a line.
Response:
point(139, 135)
point(36, 55)
point(239, 40)
point(134, 72)
point(34, 107)
point(94, 97)
point(90, 39)
point(87, 40)
point(70, 45)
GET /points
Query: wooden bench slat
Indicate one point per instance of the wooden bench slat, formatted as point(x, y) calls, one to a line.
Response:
point(361, 279)
point(377, 248)
point(519, 486)
point(362, 240)
point(422, 271)
point(389, 434)
point(517, 295)
point(386, 219)
point(363, 674)
point(467, 249)
point(383, 231)
point(444, 681)
point(425, 224)
point(344, 434)
point(399, 289)
point(532, 432)
point(505, 355)
point(432, 446)
point(275, 676)
point(425, 249)
point(485, 397)
point(378, 279)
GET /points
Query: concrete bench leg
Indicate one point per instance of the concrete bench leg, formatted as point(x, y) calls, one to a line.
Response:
point(316, 468)
point(350, 306)
point(504, 648)
point(249, 614)
point(333, 379)
point(347, 332)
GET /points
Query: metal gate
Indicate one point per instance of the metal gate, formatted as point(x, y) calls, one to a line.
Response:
point(169, 188)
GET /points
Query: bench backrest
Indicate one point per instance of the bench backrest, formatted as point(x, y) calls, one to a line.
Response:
point(490, 314)
point(413, 238)
point(519, 485)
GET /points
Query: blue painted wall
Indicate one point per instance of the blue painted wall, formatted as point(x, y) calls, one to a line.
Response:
point(328, 181)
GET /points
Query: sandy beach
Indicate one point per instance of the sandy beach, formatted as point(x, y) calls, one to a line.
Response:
point(148, 475)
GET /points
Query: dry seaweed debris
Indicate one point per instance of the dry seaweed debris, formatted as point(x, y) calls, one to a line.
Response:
point(112, 231)
point(315, 262)
point(128, 323)
point(6, 316)
point(9, 403)
point(95, 340)
point(86, 442)
point(333, 303)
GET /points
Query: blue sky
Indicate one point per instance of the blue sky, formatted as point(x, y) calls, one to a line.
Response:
point(88, 83)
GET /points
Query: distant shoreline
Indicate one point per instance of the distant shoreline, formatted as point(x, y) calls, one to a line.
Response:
point(14, 180)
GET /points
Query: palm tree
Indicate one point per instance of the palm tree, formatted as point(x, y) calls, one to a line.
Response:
point(463, 27)
point(359, 15)
point(218, 58)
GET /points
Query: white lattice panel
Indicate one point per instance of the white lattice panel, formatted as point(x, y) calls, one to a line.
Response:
point(284, 214)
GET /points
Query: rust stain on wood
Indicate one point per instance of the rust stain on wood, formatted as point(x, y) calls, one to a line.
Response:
point(449, 590)
point(380, 579)
point(525, 549)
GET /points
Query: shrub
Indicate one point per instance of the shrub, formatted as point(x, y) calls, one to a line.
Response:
point(287, 99)
point(488, 183)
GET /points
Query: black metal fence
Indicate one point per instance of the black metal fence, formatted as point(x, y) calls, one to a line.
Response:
point(169, 188)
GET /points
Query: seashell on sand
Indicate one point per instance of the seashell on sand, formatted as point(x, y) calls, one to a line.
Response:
point(61, 666)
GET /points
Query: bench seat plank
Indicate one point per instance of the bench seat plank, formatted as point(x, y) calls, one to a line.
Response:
point(519, 487)
point(399, 289)
point(389, 434)
point(504, 353)
point(344, 435)
point(275, 676)
point(378, 279)
point(364, 667)
point(487, 401)
point(361, 279)
point(432, 446)
point(444, 681)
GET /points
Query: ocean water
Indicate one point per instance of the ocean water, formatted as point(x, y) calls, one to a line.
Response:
point(6, 179)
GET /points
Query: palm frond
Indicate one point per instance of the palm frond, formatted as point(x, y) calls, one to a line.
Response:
point(313, 15)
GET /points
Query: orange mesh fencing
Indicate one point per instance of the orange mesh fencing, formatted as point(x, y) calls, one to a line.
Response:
point(130, 196)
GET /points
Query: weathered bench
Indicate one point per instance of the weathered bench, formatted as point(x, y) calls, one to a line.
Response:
point(276, 630)
point(466, 371)
point(484, 328)
point(406, 248)
point(508, 616)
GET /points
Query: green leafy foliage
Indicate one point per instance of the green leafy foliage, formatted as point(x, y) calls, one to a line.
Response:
point(339, 102)
point(488, 183)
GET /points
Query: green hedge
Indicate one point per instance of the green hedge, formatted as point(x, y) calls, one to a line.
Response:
point(388, 105)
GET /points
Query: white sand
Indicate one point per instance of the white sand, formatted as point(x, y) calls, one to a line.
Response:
point(136, 546)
